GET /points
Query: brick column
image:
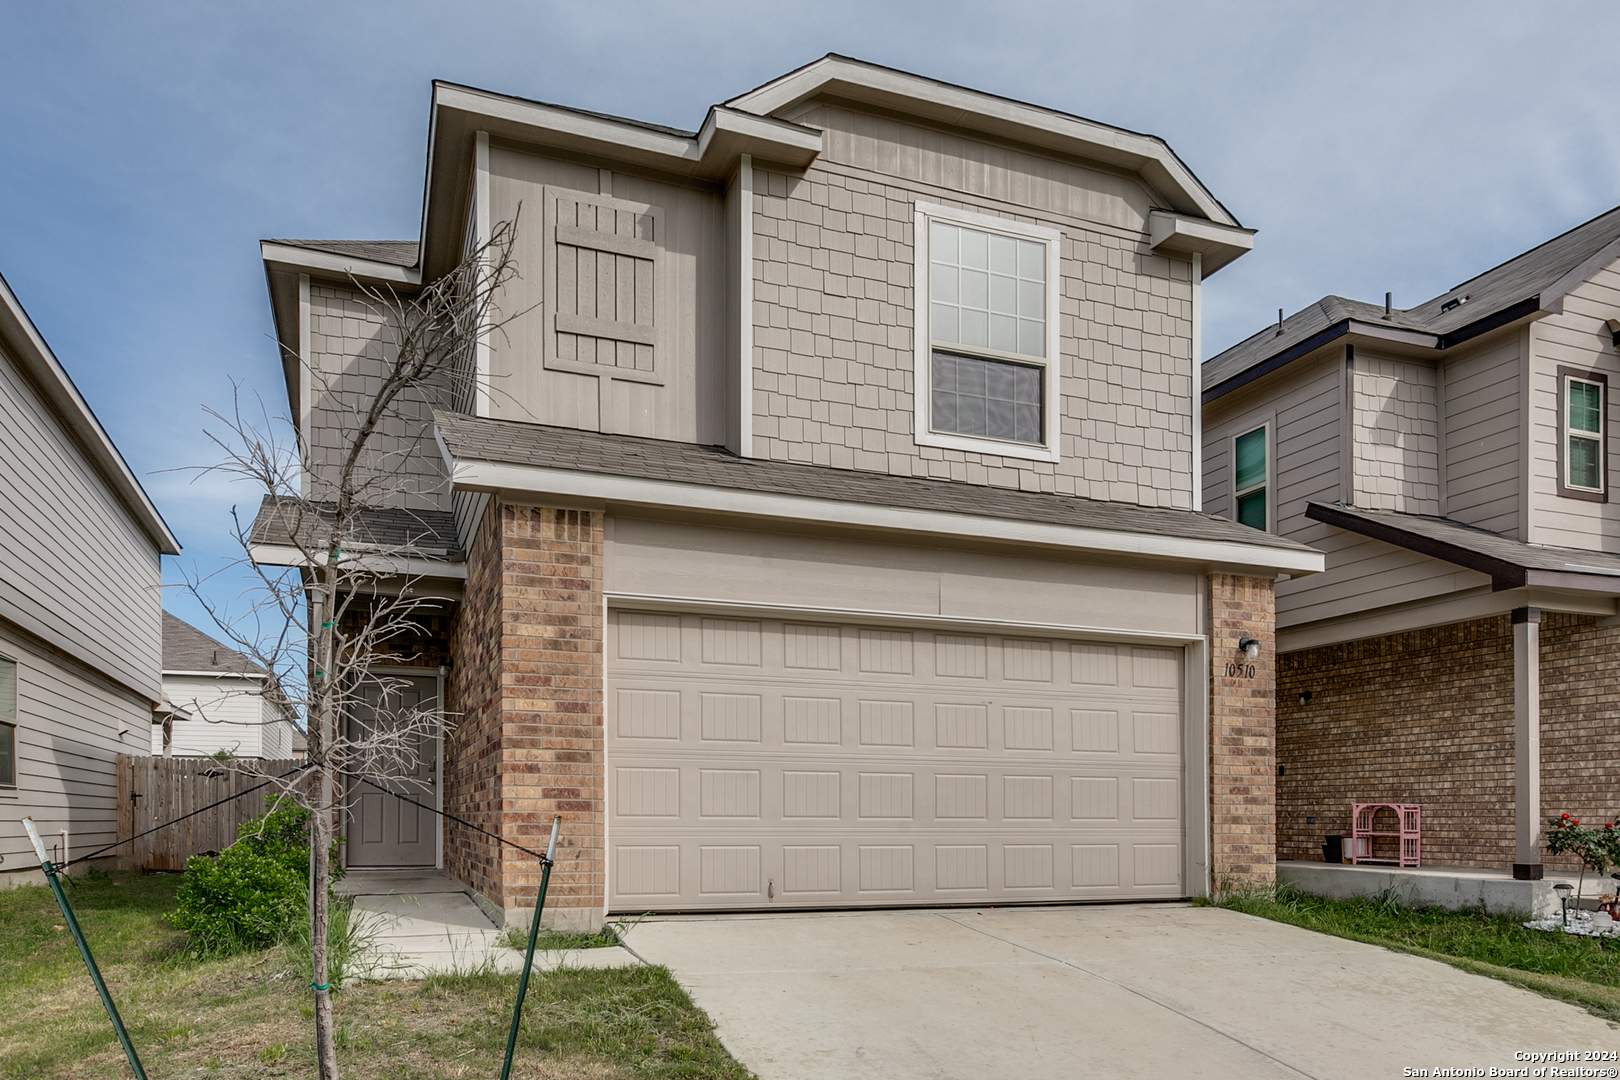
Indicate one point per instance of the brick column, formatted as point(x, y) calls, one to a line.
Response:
point(528, 687)
point(1242, 732)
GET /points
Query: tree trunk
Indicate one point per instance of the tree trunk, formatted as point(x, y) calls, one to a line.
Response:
point(319, 921)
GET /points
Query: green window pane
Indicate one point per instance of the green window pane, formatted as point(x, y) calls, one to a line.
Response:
point(1251, 459)
point(1585, 406)
point(1252, 510)
point(1584, 468)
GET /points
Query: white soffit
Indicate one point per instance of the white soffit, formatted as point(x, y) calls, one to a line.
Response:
point(974, 110)
point(530, 480)
point(1218, 244)
point(298, 260)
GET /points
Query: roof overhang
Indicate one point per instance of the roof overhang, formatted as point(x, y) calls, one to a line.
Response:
point(975, 111)
point(1504, 573)
point(526, 482)
point(28, 349)
point(1217, 244)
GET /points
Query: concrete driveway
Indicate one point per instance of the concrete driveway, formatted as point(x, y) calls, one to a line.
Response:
point(1133, 991)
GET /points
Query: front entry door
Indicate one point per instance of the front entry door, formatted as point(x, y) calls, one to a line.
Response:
point(383, 830)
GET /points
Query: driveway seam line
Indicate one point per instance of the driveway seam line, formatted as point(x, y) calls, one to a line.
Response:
point(1133, 991)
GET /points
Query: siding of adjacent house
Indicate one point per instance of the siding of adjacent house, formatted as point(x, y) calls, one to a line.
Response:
point(349, 345)
point(1481, 442)
point(687, 404)
point(75, 571)
point(226, 714)
point(1396, 442)
point(1577, 339)
point(834, 301)
point(68, 720)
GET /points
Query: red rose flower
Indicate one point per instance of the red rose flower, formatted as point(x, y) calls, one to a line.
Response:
point(1564, 816)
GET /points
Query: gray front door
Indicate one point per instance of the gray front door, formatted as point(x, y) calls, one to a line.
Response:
point(384, 830)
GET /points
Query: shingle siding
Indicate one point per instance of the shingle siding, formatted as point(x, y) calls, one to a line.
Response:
point(1396, 444)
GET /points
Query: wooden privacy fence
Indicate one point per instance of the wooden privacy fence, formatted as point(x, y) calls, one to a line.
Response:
point(153, 790)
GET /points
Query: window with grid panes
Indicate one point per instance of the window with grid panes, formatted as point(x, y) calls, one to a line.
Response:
point(1249, 473)
point(1583, 434)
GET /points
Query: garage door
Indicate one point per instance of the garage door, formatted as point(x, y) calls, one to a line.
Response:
point(758, 762)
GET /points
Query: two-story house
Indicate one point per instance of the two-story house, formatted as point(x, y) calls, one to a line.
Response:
point(216, 702)
point(80, 602)
point(1453, 460)
point(825, 530)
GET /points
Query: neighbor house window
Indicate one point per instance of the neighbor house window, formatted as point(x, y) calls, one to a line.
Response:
point(1583, 442)
point(1251, 478)
point(986, 334)
point(8, 723)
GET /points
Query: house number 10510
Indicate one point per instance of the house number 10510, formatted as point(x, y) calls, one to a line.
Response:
point(1237, 669)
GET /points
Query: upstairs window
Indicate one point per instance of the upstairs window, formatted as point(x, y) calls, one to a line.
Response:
point(986, 334)
point(1251, 473)
point(1582, 445)
point(8, 723)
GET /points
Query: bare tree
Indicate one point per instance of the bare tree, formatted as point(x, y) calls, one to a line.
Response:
point(342, 599)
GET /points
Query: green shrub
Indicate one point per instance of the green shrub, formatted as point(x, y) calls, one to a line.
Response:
point(252, 892)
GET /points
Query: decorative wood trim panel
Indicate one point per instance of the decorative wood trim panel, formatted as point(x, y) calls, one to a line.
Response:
point(607, 286)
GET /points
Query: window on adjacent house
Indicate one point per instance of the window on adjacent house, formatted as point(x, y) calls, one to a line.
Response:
point(8, 723)
point(987, 346)
point(1249, 472)
point(1583, 434)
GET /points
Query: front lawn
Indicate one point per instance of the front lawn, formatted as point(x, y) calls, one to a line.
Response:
point(1582, 970)
point(249, 1016)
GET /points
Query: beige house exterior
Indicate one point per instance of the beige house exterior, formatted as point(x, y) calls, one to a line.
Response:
point(1453, 460)
point(826, 530)
point(215, 701)
point(80, 596)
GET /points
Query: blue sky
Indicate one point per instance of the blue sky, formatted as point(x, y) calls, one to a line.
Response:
point(146, 148)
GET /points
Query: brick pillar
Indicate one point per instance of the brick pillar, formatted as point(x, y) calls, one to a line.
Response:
point(1242, 732)
point(527, 685)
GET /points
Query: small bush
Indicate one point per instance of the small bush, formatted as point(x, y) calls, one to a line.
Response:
point(248, 895)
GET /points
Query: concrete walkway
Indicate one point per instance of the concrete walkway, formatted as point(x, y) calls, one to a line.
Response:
point(1134, 991)
point(425, 922)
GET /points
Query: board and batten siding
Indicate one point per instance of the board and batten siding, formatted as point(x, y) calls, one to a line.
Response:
point(68, 718)
point(1577, 339)
point(833, 361)
point(688, 328)
point(75, 570)
point(350, 344)
point(1482, 452)
point(226, 714)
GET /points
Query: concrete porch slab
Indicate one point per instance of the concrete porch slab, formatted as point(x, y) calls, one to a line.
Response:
point(426, 923)
point(1453, 887)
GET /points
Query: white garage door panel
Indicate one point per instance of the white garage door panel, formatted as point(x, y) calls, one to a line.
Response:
point(760, 762)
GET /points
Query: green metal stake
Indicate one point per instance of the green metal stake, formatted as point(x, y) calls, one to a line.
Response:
point(528, 958)
point(84, 949)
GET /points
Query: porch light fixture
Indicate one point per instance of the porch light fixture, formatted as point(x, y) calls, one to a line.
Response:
point(1249, 647)
point(1563, 889)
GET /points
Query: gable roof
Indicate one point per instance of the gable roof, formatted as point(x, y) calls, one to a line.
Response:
point(1511, 564)
point(1533, 281)
point(26, 347)
point(489, 454)
point(185, 648)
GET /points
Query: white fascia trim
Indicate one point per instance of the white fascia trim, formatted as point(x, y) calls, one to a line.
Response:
point(542, 118)
point(536, 480)
point(794, 140)
point(1394, 335)
point(296, 260)
point(1197, 382)
point(974, 110)
point(745, 328)
point(1186, 235)
point(383, 565)
point(922, 419)
point(29, 349)
point(655, 601)
point(214, 674)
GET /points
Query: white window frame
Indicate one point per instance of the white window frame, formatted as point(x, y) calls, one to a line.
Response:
point(1568, 434)
point(1270, 484)
point(1051, 403)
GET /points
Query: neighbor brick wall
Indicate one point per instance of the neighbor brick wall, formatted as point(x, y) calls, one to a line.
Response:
point(1423, 717)
point(529, 742)
point(1242, 708)
point(1580, 720)
point(834, 349)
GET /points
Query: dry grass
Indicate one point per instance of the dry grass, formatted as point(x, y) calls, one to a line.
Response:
point(249, 1016)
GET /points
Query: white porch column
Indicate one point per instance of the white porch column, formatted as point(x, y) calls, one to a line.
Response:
point(1527, 743)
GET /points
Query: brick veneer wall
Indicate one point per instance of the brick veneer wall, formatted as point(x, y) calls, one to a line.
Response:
point(1242, 709)
point(1580, 720)
point(529, 744)
point(1424, 717)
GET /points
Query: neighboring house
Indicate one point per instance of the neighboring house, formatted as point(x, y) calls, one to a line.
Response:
point(824, 532)
point(217, 698)
point(80, 595)
point(1455, 462)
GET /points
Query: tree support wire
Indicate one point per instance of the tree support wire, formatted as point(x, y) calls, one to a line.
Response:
point(84, 949)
